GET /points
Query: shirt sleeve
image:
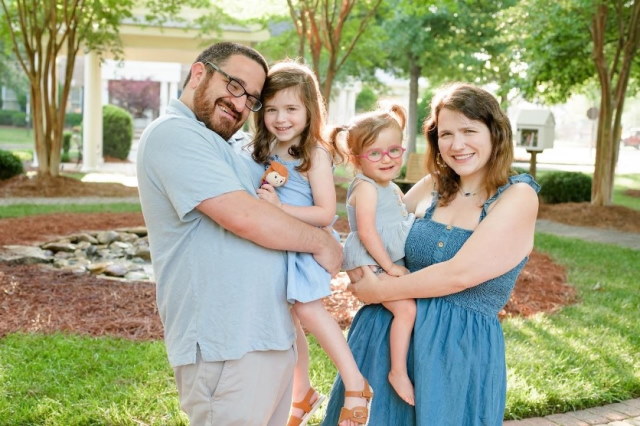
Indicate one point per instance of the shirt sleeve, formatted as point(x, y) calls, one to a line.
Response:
point(190, 165)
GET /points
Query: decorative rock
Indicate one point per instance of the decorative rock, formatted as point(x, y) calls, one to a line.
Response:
point(98, 268)
point(76, 270)
point(84, 245)
point(127, 237)
point(136, 276)
point(63, 255)
point(140, 231)
point(120, 245)
point(143, 252)
point(25, 255)
point(58, 246)
point(115, 270)
point(106, 237)
point(83, 238)
point(120, 254)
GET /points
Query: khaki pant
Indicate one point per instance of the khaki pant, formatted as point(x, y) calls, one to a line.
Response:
point(253, 390)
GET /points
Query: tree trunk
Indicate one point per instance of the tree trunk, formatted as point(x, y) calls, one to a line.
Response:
point(601, 186)
point(414, 74)
point(612, 94)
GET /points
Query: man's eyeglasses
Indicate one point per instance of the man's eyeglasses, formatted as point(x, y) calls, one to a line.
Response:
point(236, 89)
point(375, 155)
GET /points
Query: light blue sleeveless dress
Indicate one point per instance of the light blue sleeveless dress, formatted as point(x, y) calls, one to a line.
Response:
point(306, 279)
point(456, 359)
point(392, 223)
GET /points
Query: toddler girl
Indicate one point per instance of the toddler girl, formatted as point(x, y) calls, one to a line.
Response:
point(289, 130)
point(379, 222)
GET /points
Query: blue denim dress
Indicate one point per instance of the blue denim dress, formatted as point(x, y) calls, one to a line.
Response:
point(456, 359)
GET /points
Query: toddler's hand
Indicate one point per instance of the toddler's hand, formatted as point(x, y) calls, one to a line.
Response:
point(397, 271)
point(268, 193)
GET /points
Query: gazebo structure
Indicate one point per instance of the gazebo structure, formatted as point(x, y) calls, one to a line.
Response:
point(170, 46)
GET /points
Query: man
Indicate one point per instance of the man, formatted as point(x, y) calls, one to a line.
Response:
point(217, 249)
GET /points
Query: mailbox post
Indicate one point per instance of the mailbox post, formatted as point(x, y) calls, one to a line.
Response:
point(535, 132)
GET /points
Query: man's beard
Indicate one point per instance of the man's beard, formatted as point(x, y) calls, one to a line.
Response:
point(204, 109)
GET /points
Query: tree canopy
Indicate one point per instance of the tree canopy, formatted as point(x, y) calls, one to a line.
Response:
point(574, 44)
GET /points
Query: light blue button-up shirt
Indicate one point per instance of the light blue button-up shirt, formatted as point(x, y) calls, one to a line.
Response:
point(214, 289)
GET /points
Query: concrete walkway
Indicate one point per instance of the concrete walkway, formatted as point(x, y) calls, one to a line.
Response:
point(625, 413)
point(624, 239)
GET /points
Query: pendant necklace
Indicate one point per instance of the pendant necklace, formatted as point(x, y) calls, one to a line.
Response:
point(468, 194)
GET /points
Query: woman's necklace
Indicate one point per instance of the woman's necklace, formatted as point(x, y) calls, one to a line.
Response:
point(468, 194)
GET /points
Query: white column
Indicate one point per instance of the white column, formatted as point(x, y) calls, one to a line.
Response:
point(164, 96)
point(92, 114)
point(174, 88)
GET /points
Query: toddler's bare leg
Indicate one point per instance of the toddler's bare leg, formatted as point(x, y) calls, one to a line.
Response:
point(404, 315)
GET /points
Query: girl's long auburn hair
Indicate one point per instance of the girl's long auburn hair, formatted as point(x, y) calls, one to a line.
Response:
point(284, 75)
point(476, 104)
point(365, 128)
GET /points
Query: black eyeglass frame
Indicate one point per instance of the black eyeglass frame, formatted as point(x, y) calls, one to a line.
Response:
point(253, 103)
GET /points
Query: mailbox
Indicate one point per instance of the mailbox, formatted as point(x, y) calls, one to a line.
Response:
point(536, 129)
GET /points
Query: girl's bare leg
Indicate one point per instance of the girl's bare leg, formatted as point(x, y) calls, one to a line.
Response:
point(404, 315)
point(301, 382)
point(329, 335)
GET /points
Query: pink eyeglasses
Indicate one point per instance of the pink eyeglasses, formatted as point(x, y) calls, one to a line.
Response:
point(375, 155)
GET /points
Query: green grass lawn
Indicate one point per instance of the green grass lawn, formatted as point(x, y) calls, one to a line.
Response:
point(19, 210)
point(621, 184)
point(16, 135)
point(582, 356)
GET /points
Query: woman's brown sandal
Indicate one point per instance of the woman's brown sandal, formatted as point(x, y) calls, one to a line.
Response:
point(358, 414)
point(307, 407)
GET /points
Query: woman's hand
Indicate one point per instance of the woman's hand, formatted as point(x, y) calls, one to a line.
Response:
point(369, 288)
point(268, 193)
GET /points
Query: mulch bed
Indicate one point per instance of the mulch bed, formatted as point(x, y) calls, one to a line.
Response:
point(38, 299)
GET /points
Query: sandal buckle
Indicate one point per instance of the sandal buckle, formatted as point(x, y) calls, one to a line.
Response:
point(359, 413)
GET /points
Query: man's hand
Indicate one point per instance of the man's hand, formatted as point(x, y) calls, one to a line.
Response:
point(330, 256)
point(397, 270)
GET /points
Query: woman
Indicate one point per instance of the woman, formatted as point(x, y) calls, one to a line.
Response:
point(473, 232)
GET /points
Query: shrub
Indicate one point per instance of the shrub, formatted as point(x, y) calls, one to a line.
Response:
point(5, 117)
point(66, 142)
point(10, 165)
point(565, 187)
point(72, 119)
point(424, 109)
point(117, 131)
point(366, 100)
point(19, 119)
point(12, 118)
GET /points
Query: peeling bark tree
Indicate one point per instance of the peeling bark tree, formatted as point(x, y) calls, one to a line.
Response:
point(321, 23)
point(40, 32)
point(613, 65)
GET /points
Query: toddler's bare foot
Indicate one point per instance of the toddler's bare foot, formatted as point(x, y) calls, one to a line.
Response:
point(402, 386)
